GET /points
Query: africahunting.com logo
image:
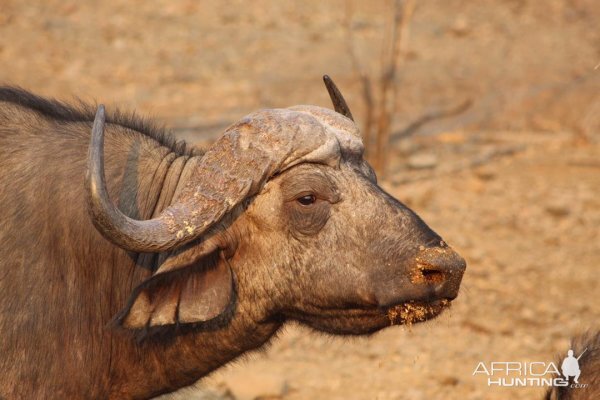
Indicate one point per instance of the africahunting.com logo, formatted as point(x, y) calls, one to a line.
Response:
point(535, 373)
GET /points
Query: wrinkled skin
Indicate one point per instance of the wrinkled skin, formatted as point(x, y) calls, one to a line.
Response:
point(311, 197)
point(319, 242)
point(349, 210)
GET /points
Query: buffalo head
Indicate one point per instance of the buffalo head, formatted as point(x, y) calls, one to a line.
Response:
point(282, 218)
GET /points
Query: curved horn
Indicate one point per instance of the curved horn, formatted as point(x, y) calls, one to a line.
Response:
point(130, 234)
point(193, 213)
point(339, 104)
point(234, 168)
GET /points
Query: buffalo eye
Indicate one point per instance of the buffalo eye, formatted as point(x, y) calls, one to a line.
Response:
point(307, 199)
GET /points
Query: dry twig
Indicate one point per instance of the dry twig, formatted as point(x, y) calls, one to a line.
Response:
point(391, 58)
point(380, 116)
point(429, 117)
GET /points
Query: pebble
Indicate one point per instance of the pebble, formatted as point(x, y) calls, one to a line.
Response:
point(248, 385)
point(558, 210)
point(422, 161)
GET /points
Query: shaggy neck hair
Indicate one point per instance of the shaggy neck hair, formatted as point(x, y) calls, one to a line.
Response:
point(84, 112)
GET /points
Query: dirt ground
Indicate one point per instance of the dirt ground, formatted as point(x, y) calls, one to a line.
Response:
point(528, 227)
point(513, 183)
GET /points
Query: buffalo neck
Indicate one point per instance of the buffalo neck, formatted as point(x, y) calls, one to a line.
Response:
point(62, 282)
point(166, 362)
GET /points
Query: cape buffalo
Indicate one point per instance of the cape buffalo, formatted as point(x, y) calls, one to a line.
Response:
point(132, 265)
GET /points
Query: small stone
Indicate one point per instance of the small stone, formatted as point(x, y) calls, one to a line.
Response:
point(528, 314)
point(558, 210)
point(485, 174)
point(422, 161)
point(449, 381)
point(199, 393)
point(461, 26)
point(257, 386)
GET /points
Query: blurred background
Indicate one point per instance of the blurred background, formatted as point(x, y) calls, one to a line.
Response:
point(484, 117)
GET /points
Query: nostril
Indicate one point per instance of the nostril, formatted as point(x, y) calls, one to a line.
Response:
point(442, 259)
point(428, 274)
point(432, 275)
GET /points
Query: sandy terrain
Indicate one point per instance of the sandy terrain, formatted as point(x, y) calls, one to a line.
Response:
point(528, 227)
point(513, 183)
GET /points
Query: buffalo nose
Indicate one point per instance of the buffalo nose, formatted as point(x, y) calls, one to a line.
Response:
point(441, 267)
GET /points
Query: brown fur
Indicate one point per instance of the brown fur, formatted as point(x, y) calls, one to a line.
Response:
point(589, 364)
point(338, 264)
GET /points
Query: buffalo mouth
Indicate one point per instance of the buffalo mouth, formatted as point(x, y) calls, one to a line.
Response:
point(361, 321)
point(416, 311)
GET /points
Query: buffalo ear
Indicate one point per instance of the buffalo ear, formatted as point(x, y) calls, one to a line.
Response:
point(194, 285)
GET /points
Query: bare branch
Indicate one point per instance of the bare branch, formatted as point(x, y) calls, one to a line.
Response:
point(379, 117)
point(403, 11)
point(365, 81)
point(414, 126)
point(474, 162)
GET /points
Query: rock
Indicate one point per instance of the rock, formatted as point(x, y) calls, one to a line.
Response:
point(247, 385)
point(558, 210)
point(199, 393)
point(422, 161)
point(461, 26)
point(449, 381)
point(485, 173)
